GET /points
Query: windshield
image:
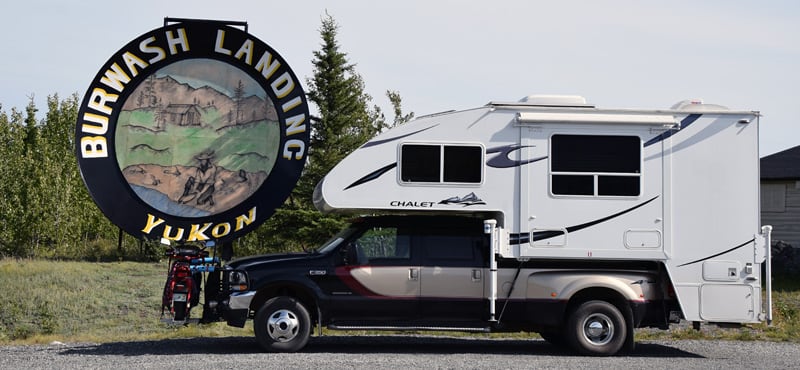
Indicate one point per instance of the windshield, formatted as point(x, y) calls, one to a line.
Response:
point(334, 242)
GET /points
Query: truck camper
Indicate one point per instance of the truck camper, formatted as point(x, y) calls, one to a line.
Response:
point(546, 214)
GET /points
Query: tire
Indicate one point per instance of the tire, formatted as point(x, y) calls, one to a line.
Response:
point(282, 324)
point(181, 311)
point(596, 328)
point(554, 338)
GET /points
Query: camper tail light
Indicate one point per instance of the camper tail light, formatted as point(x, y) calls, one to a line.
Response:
point(671, 291)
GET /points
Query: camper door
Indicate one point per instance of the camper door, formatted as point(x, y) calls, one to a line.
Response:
point(597, 195)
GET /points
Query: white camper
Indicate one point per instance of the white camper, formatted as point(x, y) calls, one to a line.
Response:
point(562, 180)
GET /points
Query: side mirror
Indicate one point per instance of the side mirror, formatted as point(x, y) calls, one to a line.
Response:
point(350, 254)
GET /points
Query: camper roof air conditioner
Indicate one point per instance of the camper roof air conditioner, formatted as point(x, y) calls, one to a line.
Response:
point(697, 105)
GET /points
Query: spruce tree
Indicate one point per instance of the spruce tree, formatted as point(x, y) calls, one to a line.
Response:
point(344, 121)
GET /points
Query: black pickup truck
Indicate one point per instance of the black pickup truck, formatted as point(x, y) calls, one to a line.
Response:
point(432, 273)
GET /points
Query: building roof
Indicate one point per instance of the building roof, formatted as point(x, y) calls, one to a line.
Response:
point(179, 108)
point(783, 165)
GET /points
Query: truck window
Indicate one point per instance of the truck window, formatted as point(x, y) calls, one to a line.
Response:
point(383, 243)
point(452, 250)
point(595, 165)
point(441, 163)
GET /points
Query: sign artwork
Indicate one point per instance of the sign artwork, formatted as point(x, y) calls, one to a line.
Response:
point(194, 131)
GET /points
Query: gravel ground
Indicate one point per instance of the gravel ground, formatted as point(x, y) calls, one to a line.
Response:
point(373, 352)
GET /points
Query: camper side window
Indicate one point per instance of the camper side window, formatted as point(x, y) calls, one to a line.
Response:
point(441, 163)
point(595, 165)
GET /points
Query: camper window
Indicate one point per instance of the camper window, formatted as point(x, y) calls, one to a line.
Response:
point(420, 163)
point(441, 163)
point(595, 165)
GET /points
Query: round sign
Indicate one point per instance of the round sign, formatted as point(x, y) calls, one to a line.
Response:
point(191, 132)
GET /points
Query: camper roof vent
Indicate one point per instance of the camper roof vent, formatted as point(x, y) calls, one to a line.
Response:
point(696, 105)
point(555, 100)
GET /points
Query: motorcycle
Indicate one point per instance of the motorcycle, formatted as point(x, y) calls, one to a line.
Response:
point(187, 264)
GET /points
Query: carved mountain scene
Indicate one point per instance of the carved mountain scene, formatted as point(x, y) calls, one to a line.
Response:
point(179, 135)
point(165, 188)
point(168, 96)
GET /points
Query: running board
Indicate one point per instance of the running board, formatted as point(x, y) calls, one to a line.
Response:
point(404, 327)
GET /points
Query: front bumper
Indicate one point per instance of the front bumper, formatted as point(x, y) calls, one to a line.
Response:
point(238, 308)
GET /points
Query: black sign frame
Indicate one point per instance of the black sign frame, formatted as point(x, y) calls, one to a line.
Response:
point(112, 87)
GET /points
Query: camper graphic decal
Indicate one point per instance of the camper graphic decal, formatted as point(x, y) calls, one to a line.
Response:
point(193, 131)
point(468, 200)
point(749, 242)
point(547, 234)
point(373, 175)
point(502, 159)
point(379, 142)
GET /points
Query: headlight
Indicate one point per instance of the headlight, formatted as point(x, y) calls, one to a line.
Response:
point(237, 280)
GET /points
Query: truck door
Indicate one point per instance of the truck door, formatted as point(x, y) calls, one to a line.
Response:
point(380, 276)
point(452, 274)
point(598, 194)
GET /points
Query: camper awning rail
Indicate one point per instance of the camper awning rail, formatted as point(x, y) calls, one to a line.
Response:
point(563, 117)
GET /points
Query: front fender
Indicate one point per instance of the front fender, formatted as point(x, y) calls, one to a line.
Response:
point(303, 288)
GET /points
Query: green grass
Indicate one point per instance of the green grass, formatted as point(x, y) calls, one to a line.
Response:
point(45, 301)
point(785, 321)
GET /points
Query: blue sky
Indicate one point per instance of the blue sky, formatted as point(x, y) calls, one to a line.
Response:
point(443, 55)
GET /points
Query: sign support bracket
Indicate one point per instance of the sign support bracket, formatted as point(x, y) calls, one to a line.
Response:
point(169, 20)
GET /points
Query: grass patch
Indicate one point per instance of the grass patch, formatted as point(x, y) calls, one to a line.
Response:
point(46, 301)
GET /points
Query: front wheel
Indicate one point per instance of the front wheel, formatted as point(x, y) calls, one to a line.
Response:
point(282, 324)
point(596, 328)
point(553, 337)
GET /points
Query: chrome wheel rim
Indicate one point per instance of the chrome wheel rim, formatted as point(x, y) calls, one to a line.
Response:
point(598, 329)
point(283, 325)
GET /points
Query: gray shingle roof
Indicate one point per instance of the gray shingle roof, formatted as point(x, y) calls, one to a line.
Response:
point(783, 165)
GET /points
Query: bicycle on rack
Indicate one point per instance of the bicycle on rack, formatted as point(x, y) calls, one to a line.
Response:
point(182, 289)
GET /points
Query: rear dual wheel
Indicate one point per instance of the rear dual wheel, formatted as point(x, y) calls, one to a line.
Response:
point(596, 328)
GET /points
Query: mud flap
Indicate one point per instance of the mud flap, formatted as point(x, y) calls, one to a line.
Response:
point(630, 343)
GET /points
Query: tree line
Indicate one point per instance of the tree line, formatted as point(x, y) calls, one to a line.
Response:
point(46, 211)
